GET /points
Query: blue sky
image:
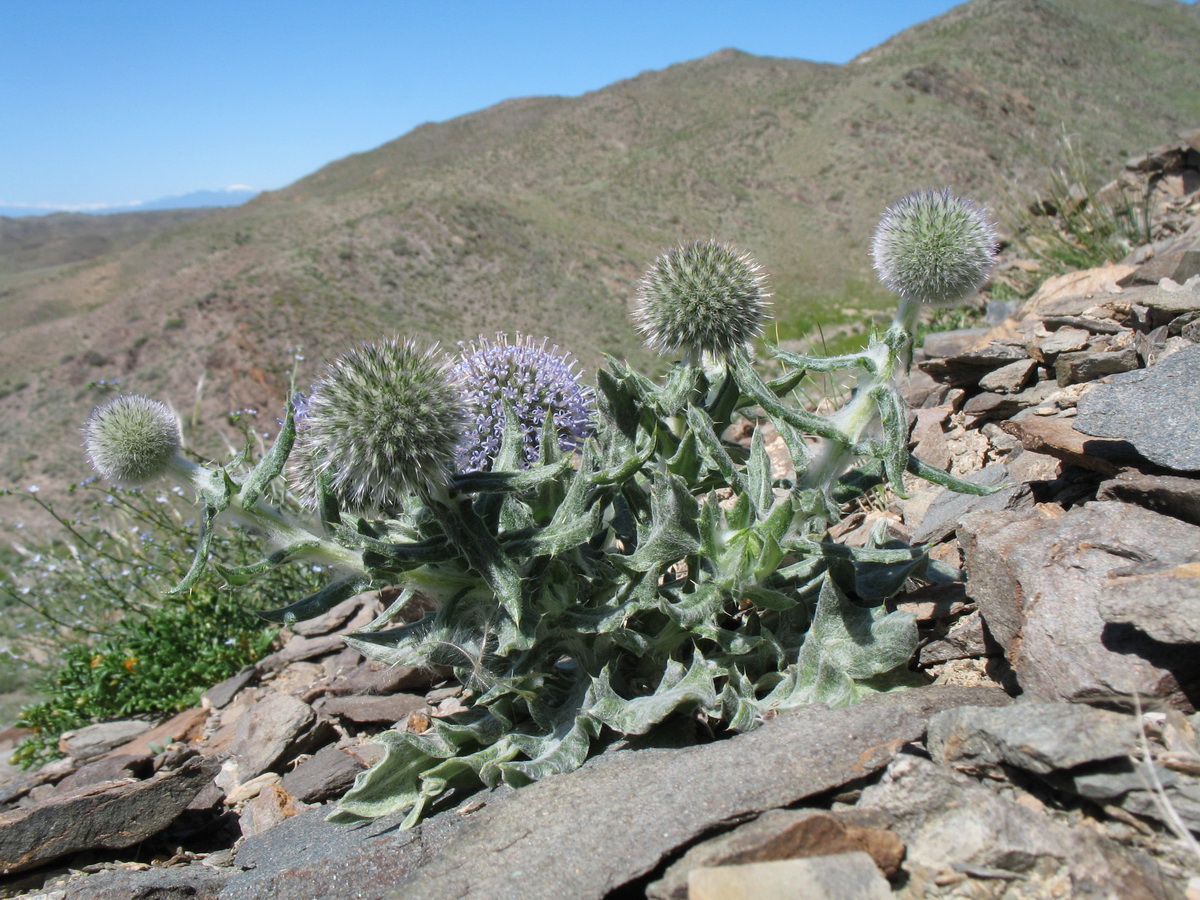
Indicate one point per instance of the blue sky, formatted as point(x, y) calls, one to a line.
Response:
point(113, 101)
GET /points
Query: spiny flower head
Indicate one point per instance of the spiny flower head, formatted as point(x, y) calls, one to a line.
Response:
point(383, 422)
point(703, 297)
point(935, 247)
point(537, 383)
point(131, 439)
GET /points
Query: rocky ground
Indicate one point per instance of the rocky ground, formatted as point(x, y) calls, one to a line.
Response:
point(1055, 753)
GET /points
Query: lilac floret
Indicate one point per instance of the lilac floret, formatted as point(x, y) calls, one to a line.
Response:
point(535, 381)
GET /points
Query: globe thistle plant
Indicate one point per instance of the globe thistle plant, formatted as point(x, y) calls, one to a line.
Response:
point(385, 421)
point(933, 247)
point(703, 297)
point(132, 439)
point(536, 384)
point(665, 573)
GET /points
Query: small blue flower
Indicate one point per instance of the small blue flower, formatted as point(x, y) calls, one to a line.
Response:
point(537, 383)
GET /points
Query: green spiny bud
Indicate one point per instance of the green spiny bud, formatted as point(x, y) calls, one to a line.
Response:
point(131, 439)
point(383, 422)
point(702, 297)
point(934, 247)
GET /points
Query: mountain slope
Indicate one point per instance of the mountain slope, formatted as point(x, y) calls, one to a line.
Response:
point(539, 214)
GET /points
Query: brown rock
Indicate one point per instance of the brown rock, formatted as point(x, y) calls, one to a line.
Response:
point(1039, 582)
point(367, 710)
point(1011, 378)
point(1057, 437)
point(1171, 495)
point(221, 695)
point(275, 730)
point(272, 806)
point(185, 726)
point(845, 876)
point(787, 834)
point(330, 772)
point(1084, 366)
point(111, 815)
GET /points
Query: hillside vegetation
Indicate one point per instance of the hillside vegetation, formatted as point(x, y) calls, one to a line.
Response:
point(539, 214)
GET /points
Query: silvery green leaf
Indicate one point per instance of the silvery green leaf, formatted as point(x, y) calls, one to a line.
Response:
point(502, 482)
point(272, 463)
point(203, 546)
point(682, 383)
point(679, 689)
point(936, 476)
point(845, 645)
point(739, 707)
point(826, 363)
point(895, 429)
point(315, 604)
point(685, 462)
point(391, 785)
point(700, 426)
point(240, 575)
point(758, 475)
point(673, 530)
point(754, 387)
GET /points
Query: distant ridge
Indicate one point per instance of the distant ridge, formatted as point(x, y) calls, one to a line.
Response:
point(232, 196)
point(539, 214)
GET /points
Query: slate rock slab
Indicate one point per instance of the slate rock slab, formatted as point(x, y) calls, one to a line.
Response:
point(271, 730)
point(93, 741)
point(952, 824)
point(586, 833)
point(1157, 410)
point(1161, 600)
point(108, 815)
point(179, 883)
point(1171, 495)
point(1035, 736)
point(1039, 581)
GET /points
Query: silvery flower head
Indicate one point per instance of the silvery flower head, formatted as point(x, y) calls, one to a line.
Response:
point(935, 247)
point(131, 439)
point(537, 383)
point(703, 297)
point(383, 422)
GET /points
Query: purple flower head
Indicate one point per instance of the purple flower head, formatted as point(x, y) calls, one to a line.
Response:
point(535, 381)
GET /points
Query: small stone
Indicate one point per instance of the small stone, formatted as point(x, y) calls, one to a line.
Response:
point(367, 710)
point(269, 808)
point(1085, 366)
point(108, 768)
point(155, 883)
point(949, 506)
point(966, 640)
point(181, 727)
point(992, 406)
point(1163, 305)
point(846, 876)
point(1011, 378)
point(787, 834)
point(1035, 736)
point(220, 695)
point(1058, 437)
point(93, 741)
point(248, 790)
point(275, 730)
point(1171, 495)
point(1157, 410)
point(330, 772)
point(1064, 340)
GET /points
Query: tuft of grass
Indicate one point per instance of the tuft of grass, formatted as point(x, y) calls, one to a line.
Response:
point(1074, 221)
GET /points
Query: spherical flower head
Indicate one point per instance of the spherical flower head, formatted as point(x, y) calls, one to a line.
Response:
point(537, 383)
point(382, 423)
point(131, 439)
point(703, 297)
point(934, 247)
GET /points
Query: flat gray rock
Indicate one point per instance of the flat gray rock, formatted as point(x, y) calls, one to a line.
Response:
point(93, 741)
point(1039, 581)
point(844, 876)
point(949, 507)
point(1157, 410)
point(180, 883)
point(1034, 736)
point(586, 833)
